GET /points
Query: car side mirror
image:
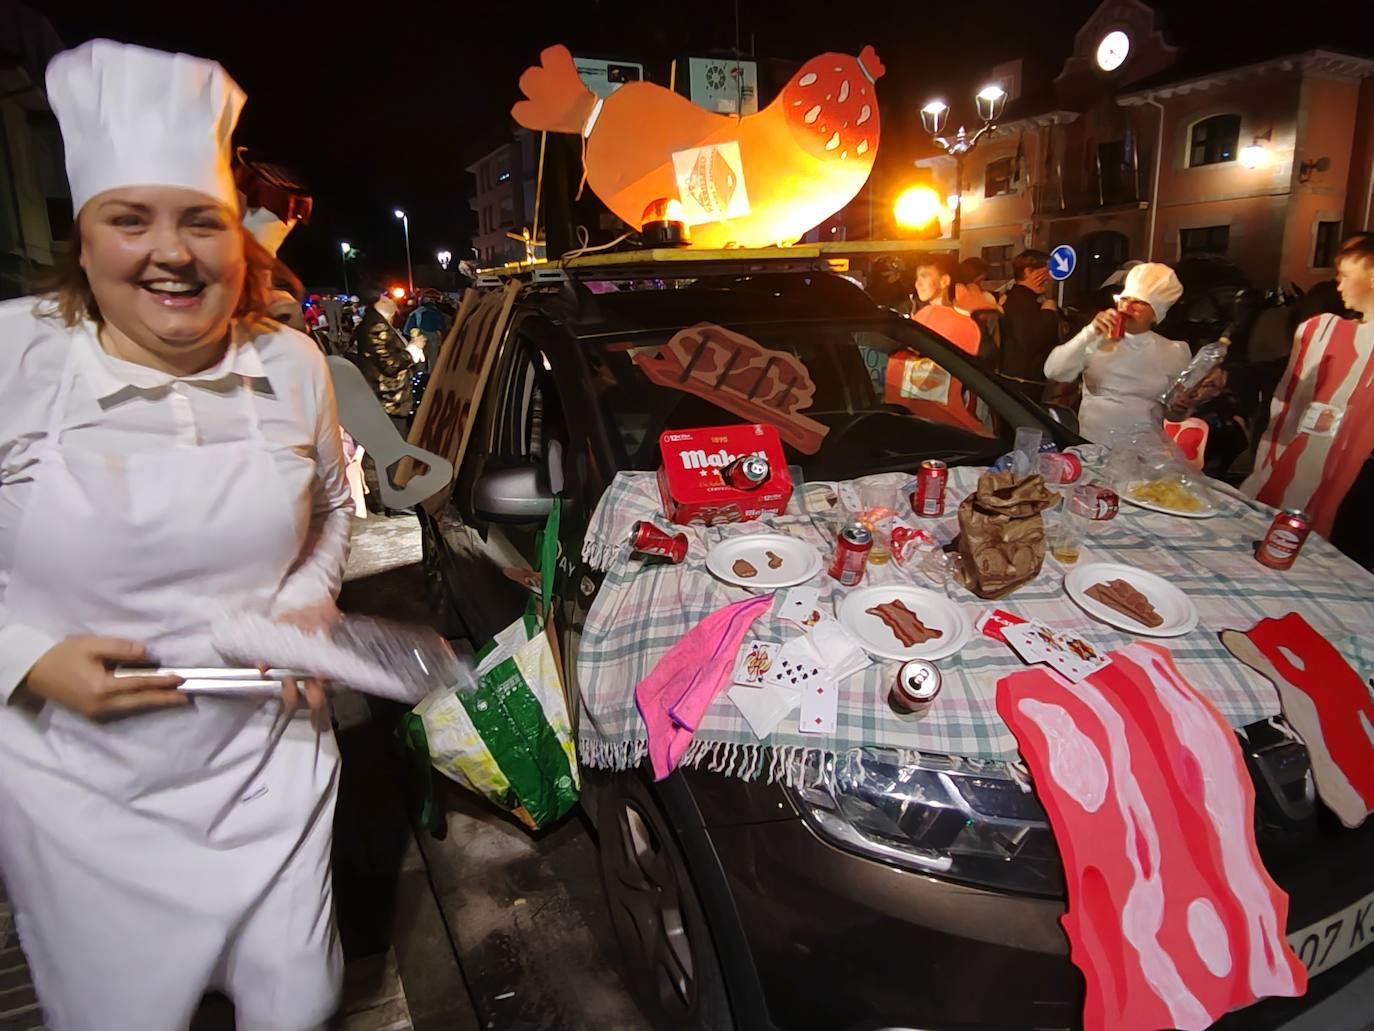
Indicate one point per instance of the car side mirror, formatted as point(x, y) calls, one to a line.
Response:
point(1065, 416)
point(519, 495)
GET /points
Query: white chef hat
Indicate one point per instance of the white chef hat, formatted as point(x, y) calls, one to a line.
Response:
point(267, 228)
point(1155, 284)
point(131, 116)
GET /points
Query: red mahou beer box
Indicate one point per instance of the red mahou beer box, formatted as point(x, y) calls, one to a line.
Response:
point(690, 481)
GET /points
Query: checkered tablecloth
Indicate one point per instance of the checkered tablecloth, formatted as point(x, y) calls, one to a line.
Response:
point(642, 611)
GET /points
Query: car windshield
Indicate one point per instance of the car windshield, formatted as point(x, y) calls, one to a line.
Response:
point(847, 397)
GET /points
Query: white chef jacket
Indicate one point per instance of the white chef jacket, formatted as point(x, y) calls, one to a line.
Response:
point(121, 408)
point(1121, 384)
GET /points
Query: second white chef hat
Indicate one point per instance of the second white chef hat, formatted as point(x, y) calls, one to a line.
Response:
point(1155, 284)
point(131, 116)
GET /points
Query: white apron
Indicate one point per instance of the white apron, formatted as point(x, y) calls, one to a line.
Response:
point(156, 856)
point(1121, 387)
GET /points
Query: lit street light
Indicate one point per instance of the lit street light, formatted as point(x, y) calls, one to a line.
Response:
point(345, 248)
point(405, 222)
point(989, 104)
point(444, 257)
point(916, 207)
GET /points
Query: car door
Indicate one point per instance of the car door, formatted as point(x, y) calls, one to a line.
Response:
point(527, 441)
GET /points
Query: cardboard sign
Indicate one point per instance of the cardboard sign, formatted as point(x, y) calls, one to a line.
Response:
point(457, 381)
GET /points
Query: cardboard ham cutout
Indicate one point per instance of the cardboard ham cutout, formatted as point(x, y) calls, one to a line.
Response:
point(755, 181)
point(1172, 918)
point(1324, 701)
point(1319, 431)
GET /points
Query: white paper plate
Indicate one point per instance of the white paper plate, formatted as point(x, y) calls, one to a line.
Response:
point(1207, 512)
point(1176, 609)
point(800, 561)
point(934, 610)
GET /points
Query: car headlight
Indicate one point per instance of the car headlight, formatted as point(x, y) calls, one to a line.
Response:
point(964, 819)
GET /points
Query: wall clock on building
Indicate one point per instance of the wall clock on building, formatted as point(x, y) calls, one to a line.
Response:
point(1112, 50)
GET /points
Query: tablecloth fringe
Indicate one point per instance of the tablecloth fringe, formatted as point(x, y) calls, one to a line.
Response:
point(747, 761)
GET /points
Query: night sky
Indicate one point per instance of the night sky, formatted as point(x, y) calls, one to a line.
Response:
point(387, 111)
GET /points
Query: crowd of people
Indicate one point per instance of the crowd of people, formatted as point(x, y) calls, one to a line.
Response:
point(1284, 438)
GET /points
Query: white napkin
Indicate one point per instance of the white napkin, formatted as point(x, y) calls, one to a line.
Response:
point(765, 706)
point(839, 650)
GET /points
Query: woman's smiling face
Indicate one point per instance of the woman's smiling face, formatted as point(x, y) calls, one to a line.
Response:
point(165, 265)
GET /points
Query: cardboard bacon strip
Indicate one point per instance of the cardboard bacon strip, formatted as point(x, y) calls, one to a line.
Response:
point(1324, 701)
point(1172, 918)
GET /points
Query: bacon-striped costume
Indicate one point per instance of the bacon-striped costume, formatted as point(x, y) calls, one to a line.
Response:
point(1296, 468)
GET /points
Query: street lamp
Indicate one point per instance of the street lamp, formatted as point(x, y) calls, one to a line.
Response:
point(445, 258)
point(405, 222)
point(344, 249)
point(989, 103)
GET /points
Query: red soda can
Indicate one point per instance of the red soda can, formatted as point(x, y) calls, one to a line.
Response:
point(746, 473)
point(1098, 500)
point(1118, 329)
point(851, 554)
point(929, 499)
point(1060, 467)
point(648, 539)
point(1288, 531)
point(914, 690)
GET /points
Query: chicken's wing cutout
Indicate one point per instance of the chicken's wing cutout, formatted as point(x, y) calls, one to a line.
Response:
point(755, 181)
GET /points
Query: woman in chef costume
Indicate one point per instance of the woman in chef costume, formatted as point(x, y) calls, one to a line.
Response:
point(165, 455)
point(1123, 379)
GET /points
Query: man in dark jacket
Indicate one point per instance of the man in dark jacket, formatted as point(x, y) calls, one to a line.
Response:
point(1030, 321)
point(380, 353)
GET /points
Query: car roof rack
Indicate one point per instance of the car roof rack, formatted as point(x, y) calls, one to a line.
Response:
point(686, 263)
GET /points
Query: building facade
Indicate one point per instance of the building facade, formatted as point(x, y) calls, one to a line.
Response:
point(1140, 155)
point(503, 198)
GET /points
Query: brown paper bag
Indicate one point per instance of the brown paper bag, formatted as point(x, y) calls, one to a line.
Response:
point(1001, 534)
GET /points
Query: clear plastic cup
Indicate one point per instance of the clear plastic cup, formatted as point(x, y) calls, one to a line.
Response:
point(1074, 524)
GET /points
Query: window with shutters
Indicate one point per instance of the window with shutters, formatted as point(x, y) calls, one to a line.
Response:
point(1214, 140)
point(1206, 240)
point(999, 177)
point(999, 262)
point(1328, 242)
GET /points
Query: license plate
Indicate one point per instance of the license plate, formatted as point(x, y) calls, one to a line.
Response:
point(1327, 942)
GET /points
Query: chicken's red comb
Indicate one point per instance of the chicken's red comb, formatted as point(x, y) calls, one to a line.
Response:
point(870, 65)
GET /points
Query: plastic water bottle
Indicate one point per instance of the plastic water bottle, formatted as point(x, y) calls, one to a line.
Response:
point(1208, 358)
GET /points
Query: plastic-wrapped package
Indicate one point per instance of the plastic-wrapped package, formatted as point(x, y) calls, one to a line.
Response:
point(376, 656)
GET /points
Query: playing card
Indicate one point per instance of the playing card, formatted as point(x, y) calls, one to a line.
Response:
point(820, 706)
point(992, 622)
point(1066, 653)
point(840, 652)
point(802, 606)
point(765, 706)
point(1033, 640)
point(797, 665)
point(756, 660)
point(1074, 657)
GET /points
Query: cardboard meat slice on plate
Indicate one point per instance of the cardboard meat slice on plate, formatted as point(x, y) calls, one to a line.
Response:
point(1324, 701)
point(1171, 917)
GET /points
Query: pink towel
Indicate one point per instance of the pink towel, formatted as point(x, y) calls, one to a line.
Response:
point(678, 691)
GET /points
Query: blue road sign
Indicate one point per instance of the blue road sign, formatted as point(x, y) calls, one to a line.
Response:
point(1063, 260)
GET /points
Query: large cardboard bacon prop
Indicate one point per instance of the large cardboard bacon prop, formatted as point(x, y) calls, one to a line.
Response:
point(755, 181)
point(741, 376)
point(1324, 701)
point(1171, 917)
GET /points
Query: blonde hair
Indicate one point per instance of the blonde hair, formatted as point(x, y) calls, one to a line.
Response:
point(66, 292)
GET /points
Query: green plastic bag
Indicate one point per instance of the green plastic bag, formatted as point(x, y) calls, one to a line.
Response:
point(508, 736)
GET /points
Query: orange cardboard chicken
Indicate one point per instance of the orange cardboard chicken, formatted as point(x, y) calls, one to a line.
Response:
point(755, 181)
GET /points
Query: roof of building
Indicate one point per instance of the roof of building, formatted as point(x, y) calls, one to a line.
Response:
point(1189, 76)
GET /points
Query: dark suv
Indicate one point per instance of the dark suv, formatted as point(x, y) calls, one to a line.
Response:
point(909, 895)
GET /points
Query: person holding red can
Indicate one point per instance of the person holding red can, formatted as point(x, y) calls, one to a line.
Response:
point(1125, 365)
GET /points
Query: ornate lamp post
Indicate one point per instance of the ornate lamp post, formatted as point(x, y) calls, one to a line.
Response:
point(989, 104)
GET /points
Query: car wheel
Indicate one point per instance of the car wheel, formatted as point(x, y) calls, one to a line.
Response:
point(441, 606)
point(670, 959)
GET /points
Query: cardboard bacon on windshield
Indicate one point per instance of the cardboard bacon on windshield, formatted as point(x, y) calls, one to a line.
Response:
point(741, 376)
